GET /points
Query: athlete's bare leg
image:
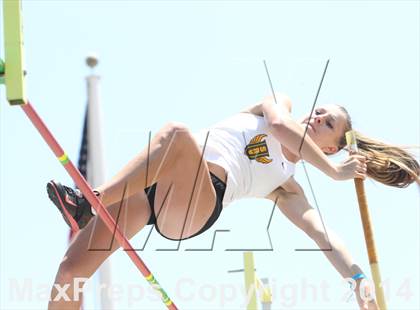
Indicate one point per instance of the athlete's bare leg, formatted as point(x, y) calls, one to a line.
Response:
point(154, 160)
point(184, 200)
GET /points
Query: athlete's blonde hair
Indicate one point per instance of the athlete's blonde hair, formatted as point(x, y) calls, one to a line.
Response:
point(388, 164)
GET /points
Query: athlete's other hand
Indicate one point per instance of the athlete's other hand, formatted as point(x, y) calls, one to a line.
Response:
point(353, 167)
point(367, 303)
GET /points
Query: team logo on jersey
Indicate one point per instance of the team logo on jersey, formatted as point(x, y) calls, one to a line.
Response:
point(257, 149)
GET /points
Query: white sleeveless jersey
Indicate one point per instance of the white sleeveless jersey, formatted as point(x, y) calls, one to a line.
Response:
point(251, 156)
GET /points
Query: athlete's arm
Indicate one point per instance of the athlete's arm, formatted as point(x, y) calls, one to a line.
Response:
point(290, 134)
point(290, 199)
point(281, 99)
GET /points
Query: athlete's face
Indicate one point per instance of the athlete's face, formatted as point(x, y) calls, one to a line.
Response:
point(326, 126)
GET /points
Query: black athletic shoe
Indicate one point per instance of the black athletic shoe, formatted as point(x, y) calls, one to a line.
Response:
point(74, 207)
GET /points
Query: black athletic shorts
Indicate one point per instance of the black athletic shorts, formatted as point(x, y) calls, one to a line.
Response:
point(219, 187)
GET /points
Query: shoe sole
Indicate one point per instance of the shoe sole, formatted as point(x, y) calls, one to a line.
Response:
point(58, 202)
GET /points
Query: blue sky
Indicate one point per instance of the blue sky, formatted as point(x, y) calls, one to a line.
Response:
point(198, 62)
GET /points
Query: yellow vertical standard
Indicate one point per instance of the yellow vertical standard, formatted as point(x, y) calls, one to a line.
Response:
point(14, 80)
point(250, 287)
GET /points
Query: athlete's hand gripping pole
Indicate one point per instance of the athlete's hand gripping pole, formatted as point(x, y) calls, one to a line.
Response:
point(367, 227)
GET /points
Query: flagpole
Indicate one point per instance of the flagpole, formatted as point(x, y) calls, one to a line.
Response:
point(95, 169)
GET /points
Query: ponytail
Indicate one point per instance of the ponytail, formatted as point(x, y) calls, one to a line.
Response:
point(388, 164)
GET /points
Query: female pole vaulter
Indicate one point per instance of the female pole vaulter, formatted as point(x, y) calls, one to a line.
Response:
point(183, 180)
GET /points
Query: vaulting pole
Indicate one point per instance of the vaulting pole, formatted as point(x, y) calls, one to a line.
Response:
point(367, 228)
point(15, 90)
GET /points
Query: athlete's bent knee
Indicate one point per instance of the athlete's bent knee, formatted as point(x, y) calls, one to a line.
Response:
point(179, 135)
point(177, 127)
